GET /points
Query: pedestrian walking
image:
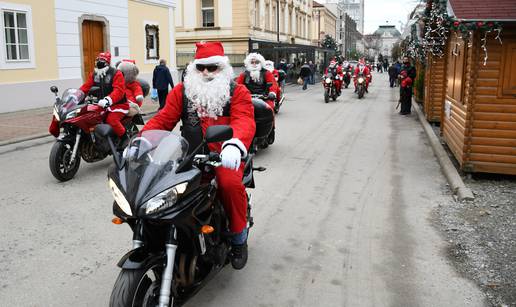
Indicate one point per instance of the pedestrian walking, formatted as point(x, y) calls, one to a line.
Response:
point(161, 78)
point(385, 65)
point(312, 72)
point(397, 65)
point(304, 74)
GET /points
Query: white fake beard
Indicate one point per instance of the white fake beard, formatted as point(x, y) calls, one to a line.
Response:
point(209, 94)
point(254, 71)
point(101, 72)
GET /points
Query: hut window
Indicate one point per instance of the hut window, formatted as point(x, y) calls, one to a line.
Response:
point(509, 70)
point(455, 73)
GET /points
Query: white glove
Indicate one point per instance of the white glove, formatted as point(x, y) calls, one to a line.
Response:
point(231, 157)
point(104, 103)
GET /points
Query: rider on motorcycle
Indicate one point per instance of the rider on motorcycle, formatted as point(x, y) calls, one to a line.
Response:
point(364, 70)
point(257, 79)
point(269, 65)
point(133, 89)
point(209, 97)
point(336, 71)
point(111, 96)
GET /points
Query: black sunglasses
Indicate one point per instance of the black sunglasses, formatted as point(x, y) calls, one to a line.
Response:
point(210, 68)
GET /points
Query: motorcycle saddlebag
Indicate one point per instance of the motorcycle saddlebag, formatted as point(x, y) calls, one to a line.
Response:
point(264, 118)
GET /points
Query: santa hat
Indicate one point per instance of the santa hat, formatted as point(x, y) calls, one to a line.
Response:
point(129, 60)
point(105, 56)
point(210, 53)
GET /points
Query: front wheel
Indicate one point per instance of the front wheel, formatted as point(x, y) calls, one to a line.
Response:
point(137, 288)
point(60, 162)
point(326, 96)
point(360, 93)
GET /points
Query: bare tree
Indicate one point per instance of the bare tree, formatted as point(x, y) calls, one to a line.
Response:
point(372, 44)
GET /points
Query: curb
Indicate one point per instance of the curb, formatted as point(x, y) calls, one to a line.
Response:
point(447, 167)
point(46, 134)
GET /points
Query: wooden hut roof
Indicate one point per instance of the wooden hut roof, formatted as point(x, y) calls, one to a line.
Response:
point(502, 10)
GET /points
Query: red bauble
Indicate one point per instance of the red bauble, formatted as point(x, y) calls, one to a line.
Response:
point(490, 24)
point(479, 24)
point(456, 24)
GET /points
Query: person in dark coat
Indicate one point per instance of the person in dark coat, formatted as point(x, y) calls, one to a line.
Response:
point(312, 73)
point(305, 73)
point(161, 78)
point(393, 74)
point(405, 93)
point(411, 71)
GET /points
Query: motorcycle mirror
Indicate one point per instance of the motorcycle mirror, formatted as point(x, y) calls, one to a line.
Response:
point(218, 133)
point(54, 89)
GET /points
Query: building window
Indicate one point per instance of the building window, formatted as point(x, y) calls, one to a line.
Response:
point(152, 42)
point(208, 13)
point(267, 17)
point(257, 14)
point(274, 18)
point(16, 40)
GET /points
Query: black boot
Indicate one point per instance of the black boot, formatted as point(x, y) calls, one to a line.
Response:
point(238, 256)
point(123, 141)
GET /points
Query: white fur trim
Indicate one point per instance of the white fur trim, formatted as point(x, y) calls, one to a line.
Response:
point(216, 59)
point(238, 144)
point(118, 110)
point(109, 99)
point(139, 98)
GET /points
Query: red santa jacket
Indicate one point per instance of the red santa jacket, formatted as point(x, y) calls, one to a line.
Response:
point(117, 95)
point(269, 81)
point(338, 68)
point(241, 117)
point(134, 93)
point(365, 71)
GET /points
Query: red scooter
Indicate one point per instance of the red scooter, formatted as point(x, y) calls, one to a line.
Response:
point(78, 115)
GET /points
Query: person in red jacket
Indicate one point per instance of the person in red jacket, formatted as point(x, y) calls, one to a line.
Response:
point(133, 89)
point(361, 69)
point(112, 91)
point(336, 71)
point(209, 97)
point(269, 65)
point(257, 79)
point(111, 95)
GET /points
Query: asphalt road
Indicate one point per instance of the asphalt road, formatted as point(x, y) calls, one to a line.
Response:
point(343, 217)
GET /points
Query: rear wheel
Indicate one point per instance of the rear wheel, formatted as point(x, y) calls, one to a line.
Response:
point(135, 288)
point(60, 162)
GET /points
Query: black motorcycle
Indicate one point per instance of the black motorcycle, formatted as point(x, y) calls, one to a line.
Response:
point(347, 78)
point(330, 90)
point(169, 199)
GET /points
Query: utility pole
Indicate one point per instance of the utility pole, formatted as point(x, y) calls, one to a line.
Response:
point(277, 20)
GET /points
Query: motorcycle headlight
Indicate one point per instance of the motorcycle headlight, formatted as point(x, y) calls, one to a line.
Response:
point(73, 114)
point(119, 198)
point(328, 80)
point(56, 114)
point(360, 80)
point(165, 199)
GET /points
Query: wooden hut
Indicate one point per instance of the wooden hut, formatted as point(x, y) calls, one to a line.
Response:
point(479, 112)
point(435, 87)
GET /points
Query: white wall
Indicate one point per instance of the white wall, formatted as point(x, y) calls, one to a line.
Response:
point(68, 13)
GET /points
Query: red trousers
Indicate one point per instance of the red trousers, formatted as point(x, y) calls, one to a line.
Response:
point(233, 196)
point(338, 85)
point(114, 120)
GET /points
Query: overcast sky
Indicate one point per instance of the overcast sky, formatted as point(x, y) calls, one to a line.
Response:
point(378, 12)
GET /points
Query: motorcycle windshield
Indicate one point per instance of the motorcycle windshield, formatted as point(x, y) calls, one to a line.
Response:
point(70, 100)
point(150, 156)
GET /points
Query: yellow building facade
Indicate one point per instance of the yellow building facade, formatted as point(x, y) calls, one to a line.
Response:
point(47, 42)
point(242, 26)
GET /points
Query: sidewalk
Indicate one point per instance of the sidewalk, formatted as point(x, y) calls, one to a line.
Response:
point(34, 123)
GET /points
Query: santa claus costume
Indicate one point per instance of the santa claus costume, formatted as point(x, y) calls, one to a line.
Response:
point(336, 71)
point(364, 70)
point(133, 89)
point(257, 79)
point(269, 65)
point(209, 97)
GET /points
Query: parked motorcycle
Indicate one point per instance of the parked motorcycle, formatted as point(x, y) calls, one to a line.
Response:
point(77, 115)
point(264, 117)
point(361, 85)
point(330, 90)
point(168, 197)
